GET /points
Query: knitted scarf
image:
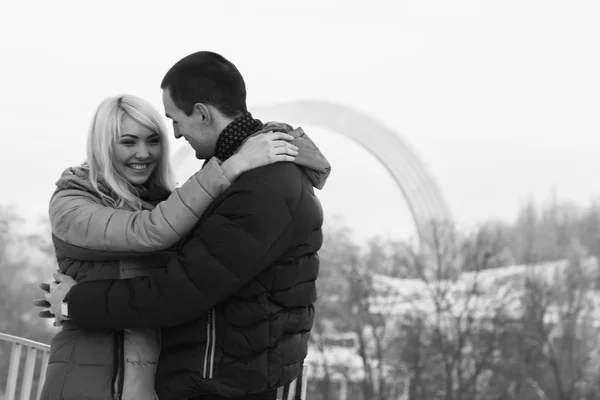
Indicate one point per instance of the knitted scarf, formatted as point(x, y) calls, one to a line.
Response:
point(234, 134)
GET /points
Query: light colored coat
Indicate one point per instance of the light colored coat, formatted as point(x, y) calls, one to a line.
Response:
point(83, 363)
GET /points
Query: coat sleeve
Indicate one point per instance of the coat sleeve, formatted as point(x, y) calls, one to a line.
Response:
point(77, 219)
point(232, 246)
point(316, 166)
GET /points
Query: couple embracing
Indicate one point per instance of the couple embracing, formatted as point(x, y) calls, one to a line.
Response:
point(205, 291)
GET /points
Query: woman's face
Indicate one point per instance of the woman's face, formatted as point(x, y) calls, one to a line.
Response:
point(137, 152)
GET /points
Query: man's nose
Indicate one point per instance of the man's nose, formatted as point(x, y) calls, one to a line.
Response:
point(176, 133)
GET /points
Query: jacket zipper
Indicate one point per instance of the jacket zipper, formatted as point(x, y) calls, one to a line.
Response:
point(209, 352)
point(119, 366)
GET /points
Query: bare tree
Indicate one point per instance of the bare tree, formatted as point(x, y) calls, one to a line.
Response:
point(561, 328)
point(454, 329)
point(347, 289)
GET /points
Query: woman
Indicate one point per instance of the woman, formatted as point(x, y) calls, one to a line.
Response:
point(123, 197)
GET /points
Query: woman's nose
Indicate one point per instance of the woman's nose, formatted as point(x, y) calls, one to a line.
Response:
point(142, 152)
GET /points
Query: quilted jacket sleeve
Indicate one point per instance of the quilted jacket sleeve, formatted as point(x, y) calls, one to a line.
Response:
point(77, 219)
point(246, 233)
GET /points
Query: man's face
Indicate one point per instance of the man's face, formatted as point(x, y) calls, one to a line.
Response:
point(195, 128)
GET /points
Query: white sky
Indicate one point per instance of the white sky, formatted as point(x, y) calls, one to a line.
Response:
point(500, 98)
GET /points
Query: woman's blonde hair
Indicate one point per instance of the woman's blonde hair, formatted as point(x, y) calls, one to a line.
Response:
point(105, 131)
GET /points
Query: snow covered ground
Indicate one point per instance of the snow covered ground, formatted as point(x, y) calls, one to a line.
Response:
point(481, 294)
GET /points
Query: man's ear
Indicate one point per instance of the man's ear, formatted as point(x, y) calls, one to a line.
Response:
point(202, 112)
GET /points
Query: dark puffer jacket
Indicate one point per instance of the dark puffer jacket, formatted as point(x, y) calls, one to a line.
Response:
point(244, 298)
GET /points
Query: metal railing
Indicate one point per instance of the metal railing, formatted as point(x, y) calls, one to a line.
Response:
point(32, 348)
point(295, 390)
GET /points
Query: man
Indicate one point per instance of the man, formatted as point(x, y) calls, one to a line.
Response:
point(239, 314)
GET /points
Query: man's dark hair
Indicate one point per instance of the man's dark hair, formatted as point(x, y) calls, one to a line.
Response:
point(209, 78)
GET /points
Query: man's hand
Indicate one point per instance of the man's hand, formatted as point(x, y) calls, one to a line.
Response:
point(55, 293)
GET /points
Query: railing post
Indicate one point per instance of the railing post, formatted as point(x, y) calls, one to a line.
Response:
point(291, 394)
point(13, 371)
point(28, 373)
point(43, 368)
point(296, 389)
point(304, 382)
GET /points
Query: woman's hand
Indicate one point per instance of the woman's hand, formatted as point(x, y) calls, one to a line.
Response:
point(55, 293)
point(257, 151)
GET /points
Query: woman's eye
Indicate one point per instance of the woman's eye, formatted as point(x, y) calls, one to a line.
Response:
point(127, 143)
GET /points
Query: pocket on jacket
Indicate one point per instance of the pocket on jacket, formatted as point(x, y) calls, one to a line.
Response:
point(142, 345)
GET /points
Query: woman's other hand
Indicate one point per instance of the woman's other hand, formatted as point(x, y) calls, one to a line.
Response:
point(260, 150)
